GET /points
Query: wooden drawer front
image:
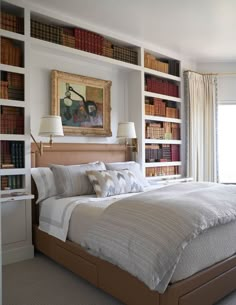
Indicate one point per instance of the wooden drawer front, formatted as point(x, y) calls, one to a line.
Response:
point(212, 291)
point(76, 264)
point(13, 221)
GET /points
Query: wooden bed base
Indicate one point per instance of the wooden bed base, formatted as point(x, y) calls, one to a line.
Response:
point(204, 288)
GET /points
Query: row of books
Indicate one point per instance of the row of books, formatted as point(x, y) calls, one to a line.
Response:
point(158, 107)
point(162, 153)
point(12, 120)
point(162, 171)
point(12, 154)
point(162, 130)
point(151, 62)
point(11, 22)
point(12, 182)
point(83, 40)
point(4, 89)
point(12, 86)
point(169, 66)
point(153, 84)
point(11, 54)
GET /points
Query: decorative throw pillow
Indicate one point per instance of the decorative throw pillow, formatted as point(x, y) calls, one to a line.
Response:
point(112, 182)
point(45, 183)
point(72, 180)
point(132, 166)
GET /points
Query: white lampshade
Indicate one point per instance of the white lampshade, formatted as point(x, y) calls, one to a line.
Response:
point(51, 125)
point(126, 130)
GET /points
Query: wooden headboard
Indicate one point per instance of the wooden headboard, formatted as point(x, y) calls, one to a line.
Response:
point(68, 154)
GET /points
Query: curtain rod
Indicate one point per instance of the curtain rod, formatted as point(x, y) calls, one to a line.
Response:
point(216, 73)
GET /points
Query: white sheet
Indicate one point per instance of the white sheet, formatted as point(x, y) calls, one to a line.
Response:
point(55, 213)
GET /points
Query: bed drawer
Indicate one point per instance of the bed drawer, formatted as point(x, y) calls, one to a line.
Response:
point(76, 264)
point(212, 291)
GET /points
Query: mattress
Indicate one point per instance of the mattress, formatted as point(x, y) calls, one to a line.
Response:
point(212, 246)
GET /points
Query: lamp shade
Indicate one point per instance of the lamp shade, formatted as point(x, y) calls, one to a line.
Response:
point(126, 130)
point(51, 125)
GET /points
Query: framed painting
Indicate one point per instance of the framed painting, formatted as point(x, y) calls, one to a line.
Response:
point(83, 104)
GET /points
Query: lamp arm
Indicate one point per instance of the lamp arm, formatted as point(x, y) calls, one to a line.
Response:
point(39, 146)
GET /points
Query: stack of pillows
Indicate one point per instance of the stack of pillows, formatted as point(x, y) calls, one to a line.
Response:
point(74, 180)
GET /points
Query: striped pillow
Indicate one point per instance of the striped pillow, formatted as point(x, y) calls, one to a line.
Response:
point(113, 182)
point(45, 183)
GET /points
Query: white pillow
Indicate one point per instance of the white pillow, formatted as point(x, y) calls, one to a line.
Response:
point(71, 180)
point(114, 182)
point(132, 166)
point(45, 183)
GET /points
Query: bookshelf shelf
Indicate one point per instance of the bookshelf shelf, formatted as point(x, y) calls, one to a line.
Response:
point(12, 69)
point(14, 103)
point(160, 141)
point(166, 178)
point(161, 164)
point(162, 119)
point(12, 137)
point(162, 96)
point(12, 35)
point(13, 171)
point(162, 74)
point(15, 196)
point(91, 57)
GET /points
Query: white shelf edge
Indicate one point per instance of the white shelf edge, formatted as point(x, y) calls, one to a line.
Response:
point(162, 119)
point(164, 178)
point(162, 96)
point(13, 69)
point(12, 171)
point(12, 137)
point(12, 35)
point(13, 103)
point(161, 141)
point(76, 52)
point(10, 197)
point(161, 164)
point(162, 74)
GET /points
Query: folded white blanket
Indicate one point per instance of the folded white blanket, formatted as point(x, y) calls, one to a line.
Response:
point(146, 234)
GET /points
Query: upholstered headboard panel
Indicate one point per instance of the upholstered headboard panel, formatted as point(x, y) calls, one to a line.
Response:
point(67, 153)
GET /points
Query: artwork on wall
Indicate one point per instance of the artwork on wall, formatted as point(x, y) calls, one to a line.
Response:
point(83, 104)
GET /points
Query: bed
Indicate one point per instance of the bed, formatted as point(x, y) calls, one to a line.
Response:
point(205, 287)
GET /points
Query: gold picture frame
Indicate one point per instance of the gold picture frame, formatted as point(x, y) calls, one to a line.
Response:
point(83, 104)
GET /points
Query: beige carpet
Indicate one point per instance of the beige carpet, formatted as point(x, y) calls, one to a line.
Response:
point(40, 281)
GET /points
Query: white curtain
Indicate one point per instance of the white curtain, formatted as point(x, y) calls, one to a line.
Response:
point(201, 126)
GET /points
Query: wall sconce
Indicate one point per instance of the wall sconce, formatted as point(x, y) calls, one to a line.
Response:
point(50, 126)
point(127, 130)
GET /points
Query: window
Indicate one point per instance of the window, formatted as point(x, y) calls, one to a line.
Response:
point(227, 142)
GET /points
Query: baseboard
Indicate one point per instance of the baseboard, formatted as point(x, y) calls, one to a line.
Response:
point(18, 254)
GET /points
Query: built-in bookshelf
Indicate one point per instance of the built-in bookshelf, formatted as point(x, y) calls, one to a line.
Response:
point(162, 111)
point(15, 135)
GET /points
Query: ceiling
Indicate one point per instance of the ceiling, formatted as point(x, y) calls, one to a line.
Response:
point(204, 30)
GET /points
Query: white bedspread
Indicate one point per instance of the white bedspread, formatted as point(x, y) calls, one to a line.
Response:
point(146, 234)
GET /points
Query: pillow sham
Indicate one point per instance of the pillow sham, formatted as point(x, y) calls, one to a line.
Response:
point(45, 183)
point(113, 182)
point(132, 166)
point(71, 180)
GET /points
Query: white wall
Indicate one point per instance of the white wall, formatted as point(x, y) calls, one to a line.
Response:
point(226, 82)
point(42, 62)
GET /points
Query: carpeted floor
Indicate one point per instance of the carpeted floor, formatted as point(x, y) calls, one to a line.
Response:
point(40, 281)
